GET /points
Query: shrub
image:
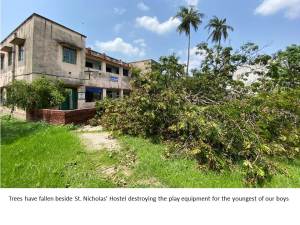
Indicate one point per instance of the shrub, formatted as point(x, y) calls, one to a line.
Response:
point(248, 132)
point(212, 119)
point(41, 93)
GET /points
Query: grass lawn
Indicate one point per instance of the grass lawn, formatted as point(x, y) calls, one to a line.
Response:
point(41, 155)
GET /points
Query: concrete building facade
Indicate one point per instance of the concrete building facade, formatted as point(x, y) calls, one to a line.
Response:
point(42, 47)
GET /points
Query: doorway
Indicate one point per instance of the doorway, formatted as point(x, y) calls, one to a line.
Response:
point(71, 100)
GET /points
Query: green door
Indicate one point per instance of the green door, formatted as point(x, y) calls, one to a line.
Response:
point(71, 100)
point(74, 99)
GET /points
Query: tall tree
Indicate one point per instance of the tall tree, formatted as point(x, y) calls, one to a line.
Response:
point(218, 29)
point(190, 17)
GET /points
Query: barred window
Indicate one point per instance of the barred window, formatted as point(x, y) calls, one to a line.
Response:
point(69, 55)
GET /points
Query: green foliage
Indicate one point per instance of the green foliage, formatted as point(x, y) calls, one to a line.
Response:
point(211, 118)
point(284, 69)
point(19, 94)
point(170, 67)
point(218, 29)
point(225, 61)
point(41, 93)
point(189, 18)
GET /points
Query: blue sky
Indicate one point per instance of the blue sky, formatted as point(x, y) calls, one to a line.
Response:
point(133, 29)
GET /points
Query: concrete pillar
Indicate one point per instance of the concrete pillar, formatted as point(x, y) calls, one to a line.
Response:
point(121, 71)
point(103, 93)
point(81, 97)
point(121, 93)
point(129, 73)
point(103, 66)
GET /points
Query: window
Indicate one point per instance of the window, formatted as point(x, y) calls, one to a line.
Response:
point(88, 64)
point(10, 57)
point(69, 55)
point(125, 72)
point(2, 61)
point(112, 69)
point(93, 64)
point(93, 94)
point(113, 94)
point(21, 53)
point(126, 93)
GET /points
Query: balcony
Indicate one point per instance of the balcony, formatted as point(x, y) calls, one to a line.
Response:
point(98, 78)
point(106, 58)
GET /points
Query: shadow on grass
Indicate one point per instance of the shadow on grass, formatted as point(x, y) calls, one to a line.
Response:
point(12, 130)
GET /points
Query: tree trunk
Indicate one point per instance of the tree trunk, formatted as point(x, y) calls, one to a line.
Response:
point(188, 59)
point(11, 112)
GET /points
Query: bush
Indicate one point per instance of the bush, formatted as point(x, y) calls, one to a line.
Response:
point(212, 119)
point(93, 122)
point(248, 132)
point(41, 93)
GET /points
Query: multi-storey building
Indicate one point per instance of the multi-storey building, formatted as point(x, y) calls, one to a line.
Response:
point(42, 47)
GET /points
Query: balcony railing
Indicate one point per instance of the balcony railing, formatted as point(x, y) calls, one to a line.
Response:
point(92, 70)
point(108, 58)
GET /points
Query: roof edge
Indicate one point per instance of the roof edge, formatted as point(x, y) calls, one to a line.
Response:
point(45, 18)
point(144, 60)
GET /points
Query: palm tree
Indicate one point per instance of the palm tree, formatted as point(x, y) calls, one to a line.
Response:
point(190, 17)
point(218, 29)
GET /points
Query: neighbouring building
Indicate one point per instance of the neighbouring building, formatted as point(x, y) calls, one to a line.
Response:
point(250, 74)
point(42, 47)
point(144, 65)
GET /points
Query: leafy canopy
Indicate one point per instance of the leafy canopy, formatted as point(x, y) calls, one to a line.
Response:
point(212, 118)
point(41, 93)
point(218, 29)
point(190, 17)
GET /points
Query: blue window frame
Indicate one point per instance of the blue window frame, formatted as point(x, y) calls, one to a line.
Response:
point(69, 55)
point(93, 94)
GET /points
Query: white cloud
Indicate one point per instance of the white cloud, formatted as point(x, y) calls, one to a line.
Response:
point(152, 24)
point(192, 2)
point(195, 59)
point(118, 27)
point(291, 8)
point(141, 42)
point(119, 11)
point(142, 6)
point(120, 46)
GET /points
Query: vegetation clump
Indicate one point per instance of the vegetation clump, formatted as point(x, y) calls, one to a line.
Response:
point(40, 94)
point(212, 118)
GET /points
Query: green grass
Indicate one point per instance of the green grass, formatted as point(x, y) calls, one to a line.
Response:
point(185, 173)
point(173, 173)
point(41, 155)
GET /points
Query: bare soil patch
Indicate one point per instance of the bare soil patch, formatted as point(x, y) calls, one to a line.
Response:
point(95, 139)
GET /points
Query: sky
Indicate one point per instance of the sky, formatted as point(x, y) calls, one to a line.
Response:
point(133, 30)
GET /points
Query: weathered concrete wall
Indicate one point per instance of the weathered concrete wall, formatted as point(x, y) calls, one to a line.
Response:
point(49, 39)
point(104, 80)
point(44, 56)
point(145, 65)
point(23, 68)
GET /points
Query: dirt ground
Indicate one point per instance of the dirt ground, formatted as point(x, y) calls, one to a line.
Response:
point(95, 139)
